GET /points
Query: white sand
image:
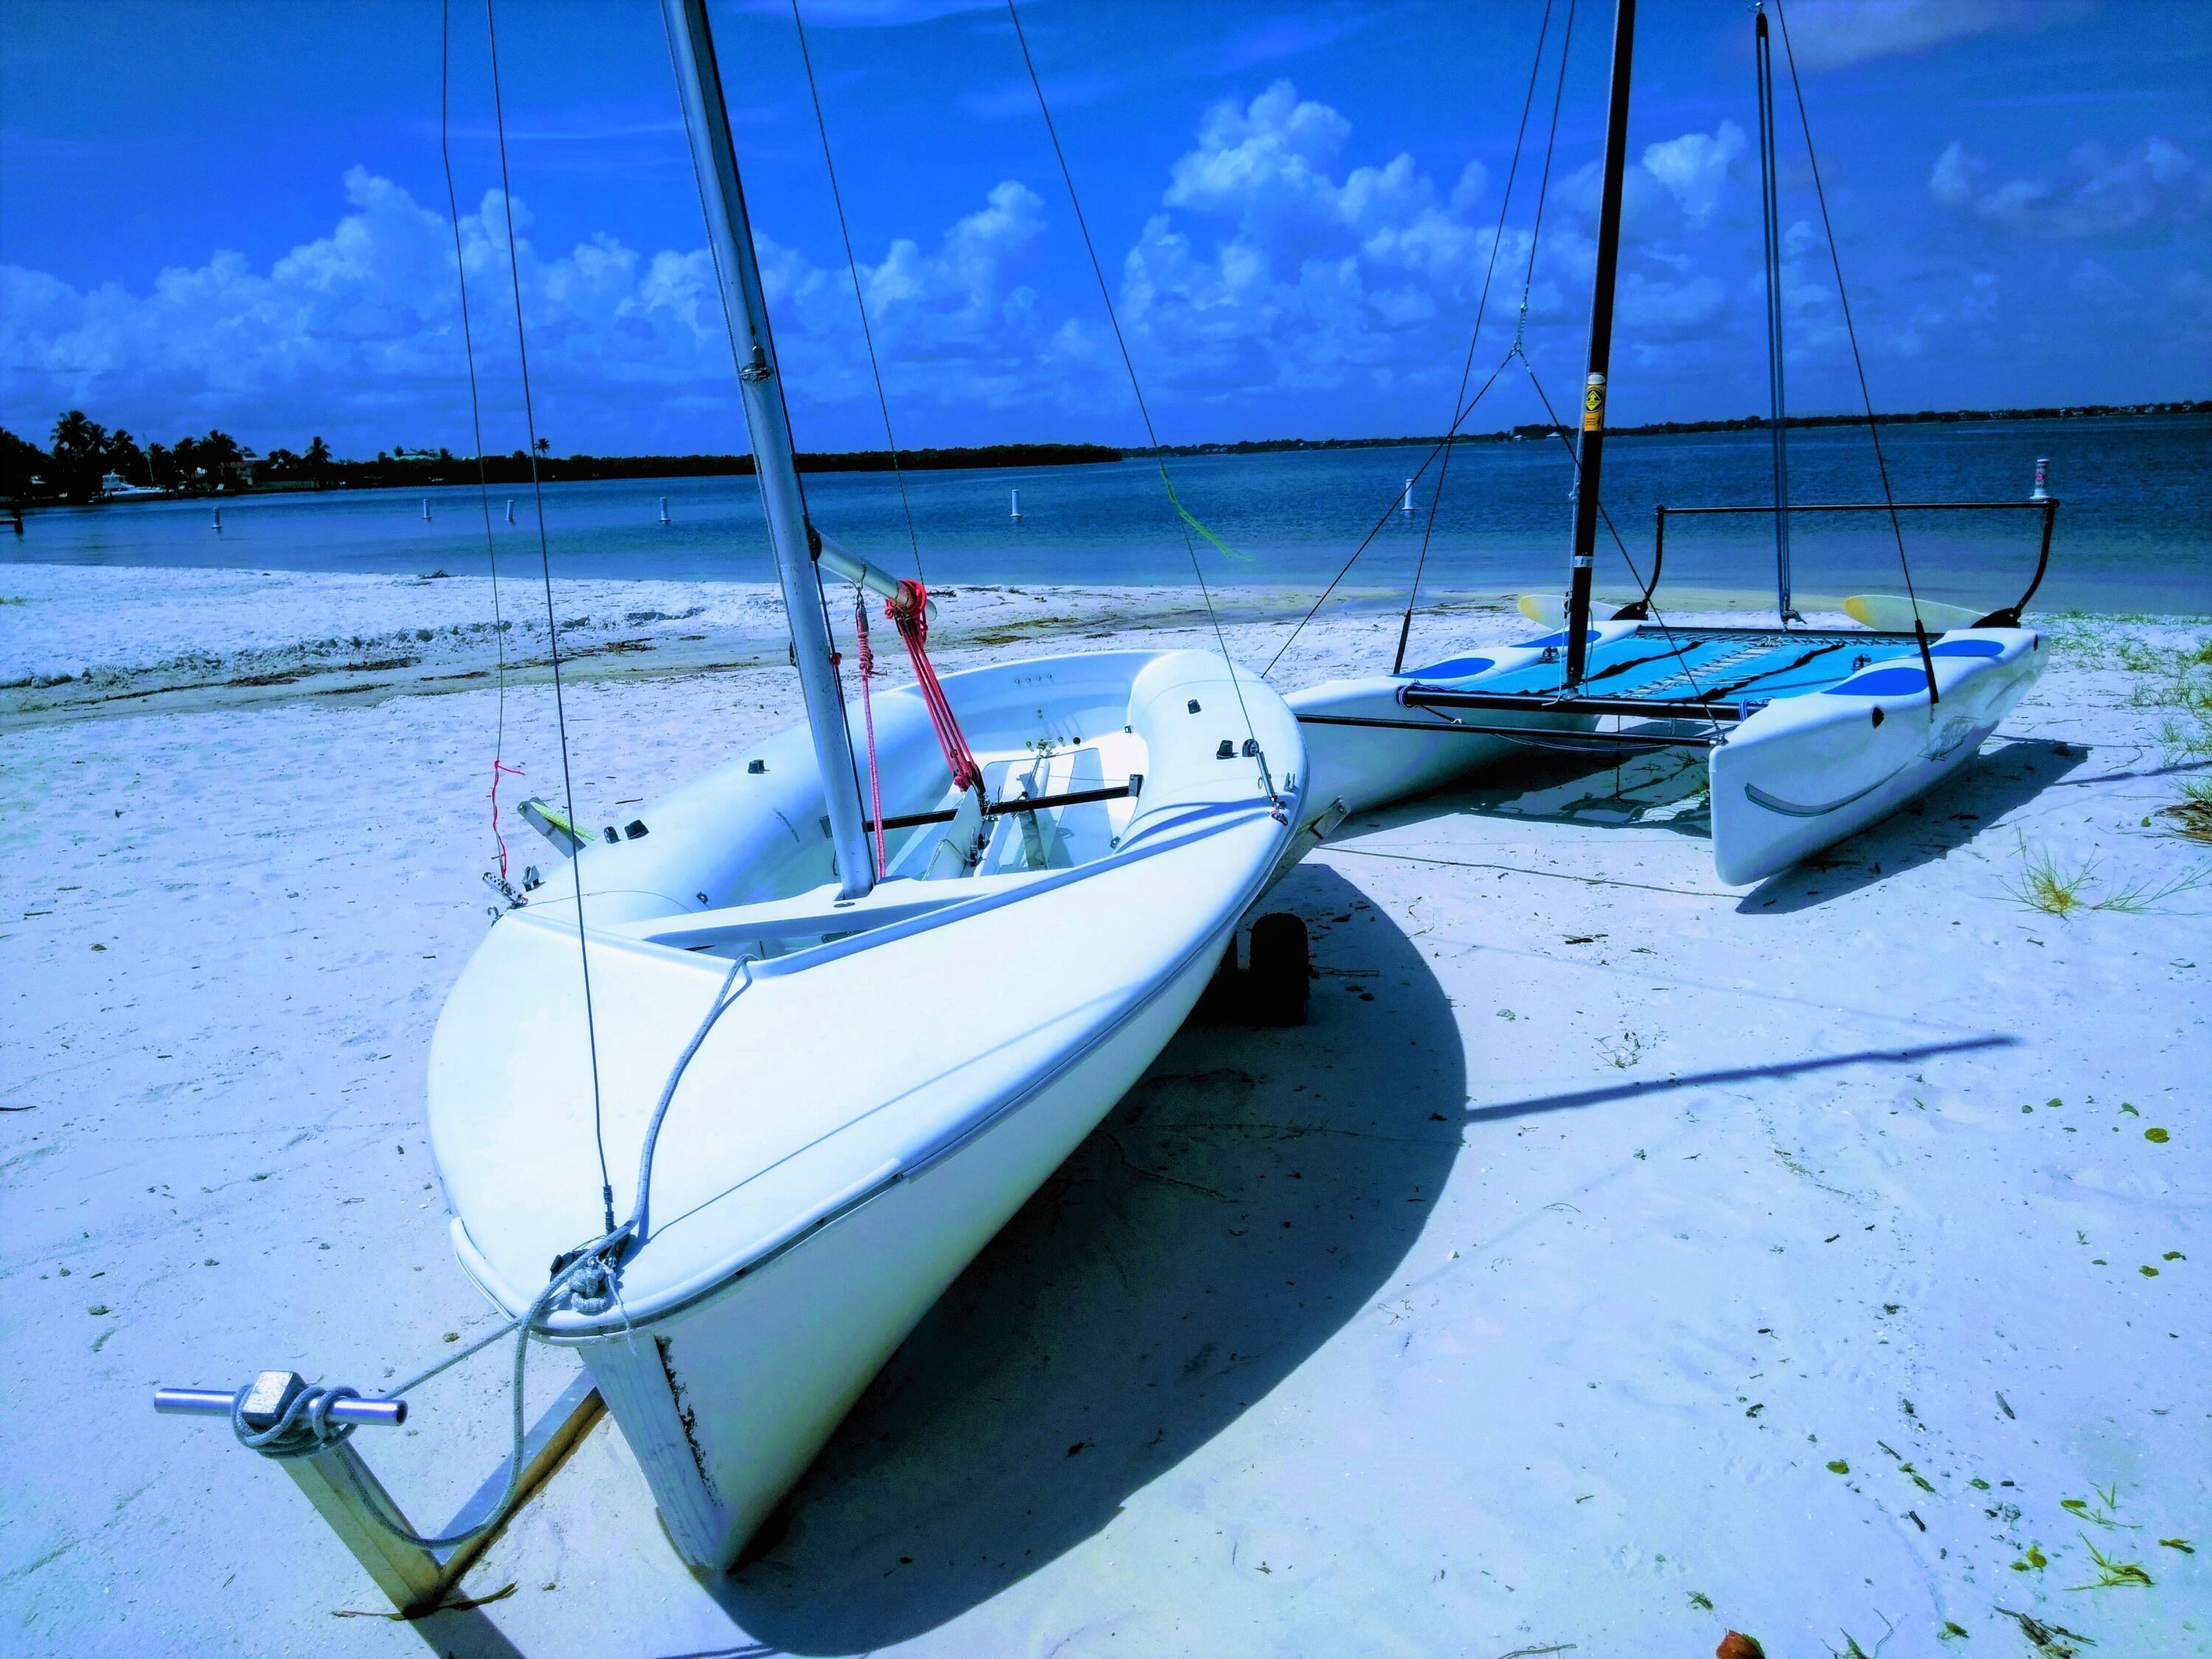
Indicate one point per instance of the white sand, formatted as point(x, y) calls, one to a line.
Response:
point(1523, 1297)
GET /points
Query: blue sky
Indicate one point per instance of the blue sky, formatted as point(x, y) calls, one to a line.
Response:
point(235, 214)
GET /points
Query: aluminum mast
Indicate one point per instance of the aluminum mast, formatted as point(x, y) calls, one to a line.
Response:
point(729, 233)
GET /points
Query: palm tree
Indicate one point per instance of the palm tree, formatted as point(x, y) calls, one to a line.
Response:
point(123, 455)
point(544, 445)
point(77, 438)
point(78, 443)
point(184, 458)
point(318, 458)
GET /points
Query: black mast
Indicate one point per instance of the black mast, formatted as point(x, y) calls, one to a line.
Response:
point(1770, 193)
point(1589, 453)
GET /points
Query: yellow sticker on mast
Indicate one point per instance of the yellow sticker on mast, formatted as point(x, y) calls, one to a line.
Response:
point(1594, 405)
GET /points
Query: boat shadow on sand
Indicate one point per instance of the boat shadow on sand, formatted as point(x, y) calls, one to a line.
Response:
point(1667, 790)
point(1246, 1200)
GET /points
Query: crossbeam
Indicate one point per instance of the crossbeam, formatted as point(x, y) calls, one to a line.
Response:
point(1555, 703)
point(999, 809)
point(1769, 510)
point(1572, 736)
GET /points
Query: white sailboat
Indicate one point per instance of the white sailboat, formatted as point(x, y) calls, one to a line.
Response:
point(114, 487)
point(821, 1057)
point(1812, 734)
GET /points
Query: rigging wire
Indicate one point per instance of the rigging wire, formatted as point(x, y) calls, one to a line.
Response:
point(1658, 616)
point(552, 628)
point(738, 366)
point(1519, 349)
point(852, 264)
point(1544, 184)
point(1482, 306)
point(1858, 363)
point(1419, 472)
point(1535, 233)
point(1151, 435)
point(499, 766)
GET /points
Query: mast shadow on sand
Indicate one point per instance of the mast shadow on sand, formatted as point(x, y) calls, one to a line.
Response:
point(1240, 1205)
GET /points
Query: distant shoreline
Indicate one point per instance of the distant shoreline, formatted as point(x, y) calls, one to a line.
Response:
point(414, 471)
point(1671, 429)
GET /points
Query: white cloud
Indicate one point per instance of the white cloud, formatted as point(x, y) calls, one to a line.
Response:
point(2103, 194)
point(2100, 284)
point(1956, 175)
point(357, 333)
point(1694, 168)
point(1836, 33)
point(1274, 264)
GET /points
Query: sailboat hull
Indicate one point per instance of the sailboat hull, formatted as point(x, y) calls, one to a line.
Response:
point(859, 1091)
point(726, 1404)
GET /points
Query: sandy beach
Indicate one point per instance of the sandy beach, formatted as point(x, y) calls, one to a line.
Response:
point(1613, 1258)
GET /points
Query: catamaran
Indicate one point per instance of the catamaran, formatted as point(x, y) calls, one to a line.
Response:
point(1812, 734)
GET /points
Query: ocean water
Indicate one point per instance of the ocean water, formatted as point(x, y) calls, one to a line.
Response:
point(2134, 533)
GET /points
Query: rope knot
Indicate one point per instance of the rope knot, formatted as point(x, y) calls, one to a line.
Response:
point(281, 1415)
point(586, 1275)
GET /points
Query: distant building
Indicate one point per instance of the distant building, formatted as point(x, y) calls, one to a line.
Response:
point(414, 455)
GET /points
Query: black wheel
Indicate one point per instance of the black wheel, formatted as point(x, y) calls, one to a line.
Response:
point(1278, 980)
point(1222, 1002)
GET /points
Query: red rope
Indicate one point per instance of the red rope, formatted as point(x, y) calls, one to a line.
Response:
point(868, 714)
point(909, 612)
point(499, 766)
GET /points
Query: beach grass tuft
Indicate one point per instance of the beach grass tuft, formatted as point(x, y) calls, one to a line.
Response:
point(2043, 885)
point(2110, 1574)
point(2192, 813)
point(2057, 890)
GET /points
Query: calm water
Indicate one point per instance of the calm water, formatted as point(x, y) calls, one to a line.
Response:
point(2135, 533)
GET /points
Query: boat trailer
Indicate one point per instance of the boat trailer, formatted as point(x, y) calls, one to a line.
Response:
point(347, 1494)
